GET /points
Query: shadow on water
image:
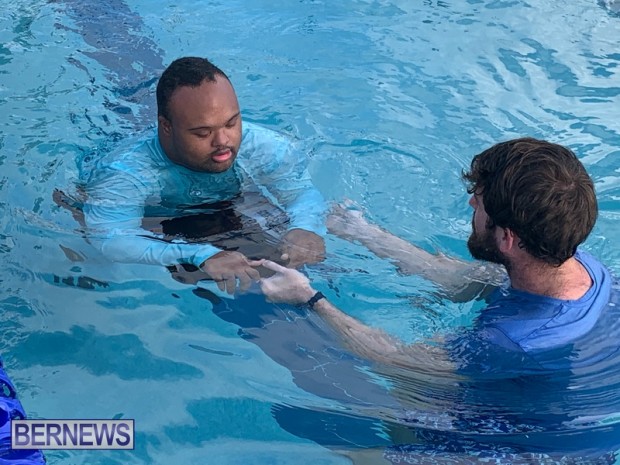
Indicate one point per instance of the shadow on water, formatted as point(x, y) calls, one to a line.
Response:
point(89, 349)
point(375, 414)
point(132, 61)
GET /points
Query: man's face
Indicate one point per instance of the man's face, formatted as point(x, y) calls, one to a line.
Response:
point(204, 129)
point(482, 243)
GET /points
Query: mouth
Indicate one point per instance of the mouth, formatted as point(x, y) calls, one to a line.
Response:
point(222, 156)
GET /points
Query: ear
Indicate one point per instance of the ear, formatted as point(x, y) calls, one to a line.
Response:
point(164, 125)
point(506, 240)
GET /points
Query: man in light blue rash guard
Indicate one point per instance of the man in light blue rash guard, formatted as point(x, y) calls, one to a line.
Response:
point(548, 338)
point(203, 157)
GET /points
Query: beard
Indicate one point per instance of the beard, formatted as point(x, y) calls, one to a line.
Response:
point(483, 247)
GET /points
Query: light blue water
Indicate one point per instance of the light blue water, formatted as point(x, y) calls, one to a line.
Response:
point(391, 98)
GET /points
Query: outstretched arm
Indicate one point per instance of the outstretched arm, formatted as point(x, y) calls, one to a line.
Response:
point(290, 286)
point(460, 281)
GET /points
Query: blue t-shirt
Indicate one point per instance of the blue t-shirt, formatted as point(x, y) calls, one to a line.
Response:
point(540, 382)
point(520, 333)
point(139, 181)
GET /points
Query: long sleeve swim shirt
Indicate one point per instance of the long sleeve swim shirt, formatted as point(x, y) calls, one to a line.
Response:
point(139, 181)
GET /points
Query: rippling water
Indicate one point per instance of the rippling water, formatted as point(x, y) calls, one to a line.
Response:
point(391, 99)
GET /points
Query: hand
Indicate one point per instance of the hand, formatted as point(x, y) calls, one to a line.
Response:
point(301, 247)
point(347, 221)
point(181, 274)
point(226, 267)
point(286, 285)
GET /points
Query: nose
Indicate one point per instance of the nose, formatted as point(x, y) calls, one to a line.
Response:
point(221, 138)
point(472, 202)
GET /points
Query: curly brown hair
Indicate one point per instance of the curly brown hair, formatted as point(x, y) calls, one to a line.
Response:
point(539, 190)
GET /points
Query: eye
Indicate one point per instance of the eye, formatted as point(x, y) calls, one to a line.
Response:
point(202, 134)
point(232, 123)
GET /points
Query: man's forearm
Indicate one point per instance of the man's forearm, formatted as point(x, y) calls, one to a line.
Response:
point(375, 344)
point(291, 286)
point(459, 280)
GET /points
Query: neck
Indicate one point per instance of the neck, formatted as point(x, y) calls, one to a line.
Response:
point(569, 281)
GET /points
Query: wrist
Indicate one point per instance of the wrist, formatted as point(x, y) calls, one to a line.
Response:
point(316, 297)
point(204, 254)
point(307, 294)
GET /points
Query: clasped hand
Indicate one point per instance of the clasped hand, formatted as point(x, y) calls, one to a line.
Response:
point(300, 247)
point(233, 270)
point(285, 285)
point(225, 268)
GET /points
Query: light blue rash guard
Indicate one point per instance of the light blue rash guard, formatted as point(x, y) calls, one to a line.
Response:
point(139, 181)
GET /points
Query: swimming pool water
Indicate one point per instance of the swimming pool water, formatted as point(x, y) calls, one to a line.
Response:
point(390, 98)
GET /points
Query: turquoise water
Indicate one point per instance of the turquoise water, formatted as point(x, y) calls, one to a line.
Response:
point(391, 99)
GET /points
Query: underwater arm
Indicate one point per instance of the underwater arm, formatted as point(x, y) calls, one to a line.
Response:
point(292, 287)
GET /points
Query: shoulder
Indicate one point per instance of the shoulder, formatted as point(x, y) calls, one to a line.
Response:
point(138, 158)
point(255, 134)
point(593, 303)
point(539, 323)
point(264, 149)
point(589, 261)
point(599, 273)
point(138, 147)
point(253, 129)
